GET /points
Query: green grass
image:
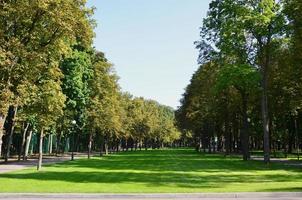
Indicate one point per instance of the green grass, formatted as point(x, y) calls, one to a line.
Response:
point(158, 171)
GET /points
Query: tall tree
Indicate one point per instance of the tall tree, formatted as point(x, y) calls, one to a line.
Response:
point(30, 33)
point(243, 32)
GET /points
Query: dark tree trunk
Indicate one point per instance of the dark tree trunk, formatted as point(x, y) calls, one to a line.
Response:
point(146, 144)
point(298, 138)
point(228, 143)
point(245, 129)
point(59, 138)
point(264, 97)
point(118, 142)
point(102, 145)
point(11, 127)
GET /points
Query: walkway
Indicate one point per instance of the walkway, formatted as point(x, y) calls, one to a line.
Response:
point(14, 165)
point(202, 196)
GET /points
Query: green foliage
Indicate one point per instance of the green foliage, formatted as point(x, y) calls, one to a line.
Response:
point(243, 78)
point(250, 56)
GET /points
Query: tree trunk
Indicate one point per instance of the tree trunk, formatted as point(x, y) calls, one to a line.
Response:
point(12, 115)
point(298, 138)
point(2, 121)
point(28, 139)
point(245, 129)
point(50, 143)
point(264, 98)
point(58, 143)
point(22, 146)
point(39, 166)
point(106, 145)
point(118, 142)
point(102, 145)
point(227, 135)
point(89, 145)
point(146, 144)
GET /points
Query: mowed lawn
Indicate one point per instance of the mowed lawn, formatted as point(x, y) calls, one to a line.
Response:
point(156, 171)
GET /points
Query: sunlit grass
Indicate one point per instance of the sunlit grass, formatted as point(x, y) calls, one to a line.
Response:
point(157, 171)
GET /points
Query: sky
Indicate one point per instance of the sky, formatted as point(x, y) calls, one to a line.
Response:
point(151, 44)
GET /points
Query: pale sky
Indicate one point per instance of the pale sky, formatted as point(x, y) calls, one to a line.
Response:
point(150, 43)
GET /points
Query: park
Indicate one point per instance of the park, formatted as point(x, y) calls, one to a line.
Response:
point(156, 171)
point(151, 99)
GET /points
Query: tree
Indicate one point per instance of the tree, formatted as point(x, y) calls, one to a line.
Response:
point(245, 80)
point(48, 103)
point(77, 72)
point(244, 31)
point(103, 110)
point(32, 32)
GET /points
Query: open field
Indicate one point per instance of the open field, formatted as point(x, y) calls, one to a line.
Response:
point(156, 171)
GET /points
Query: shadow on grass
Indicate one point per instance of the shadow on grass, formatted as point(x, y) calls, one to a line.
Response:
point(180, 168)
point(176, 161)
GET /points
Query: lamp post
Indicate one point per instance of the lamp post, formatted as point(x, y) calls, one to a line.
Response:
point(74, 123)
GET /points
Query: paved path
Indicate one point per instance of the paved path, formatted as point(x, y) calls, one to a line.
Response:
point(202, 196)
point(284, 161)
point(18, 165)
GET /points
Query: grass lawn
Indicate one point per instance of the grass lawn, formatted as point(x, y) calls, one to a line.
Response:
point(157, 171)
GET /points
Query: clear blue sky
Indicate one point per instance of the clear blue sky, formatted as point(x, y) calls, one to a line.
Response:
point(150, 43)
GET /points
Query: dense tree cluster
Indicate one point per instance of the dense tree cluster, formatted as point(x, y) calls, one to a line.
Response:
point(53, 83)
point(247, 92)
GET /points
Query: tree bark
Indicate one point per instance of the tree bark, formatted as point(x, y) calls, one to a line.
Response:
point(265, 52)
point(50, 143)
point(2, 120)
point(245, 129)
point(22, 146)
point(39, 166)
point(28, 139)
point(298, 138)
point(102, 145)
point(106, 145)
point(89, 145)
point(12, 114)
point(58, 142)
point(227, 135)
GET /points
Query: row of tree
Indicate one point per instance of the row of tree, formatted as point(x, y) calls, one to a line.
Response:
point(247, 93)
point(52, 82)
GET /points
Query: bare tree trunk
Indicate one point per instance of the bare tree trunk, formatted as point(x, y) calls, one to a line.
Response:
point(12, 113)
point(2, 120)
point(21, 150)
point(28, 139)
point(50, 143)
point(39, 166)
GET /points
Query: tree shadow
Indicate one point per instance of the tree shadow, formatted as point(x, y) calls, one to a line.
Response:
point(180, 168)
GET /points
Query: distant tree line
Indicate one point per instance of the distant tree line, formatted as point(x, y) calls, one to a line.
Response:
point(54, 85)
point(247, 93)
